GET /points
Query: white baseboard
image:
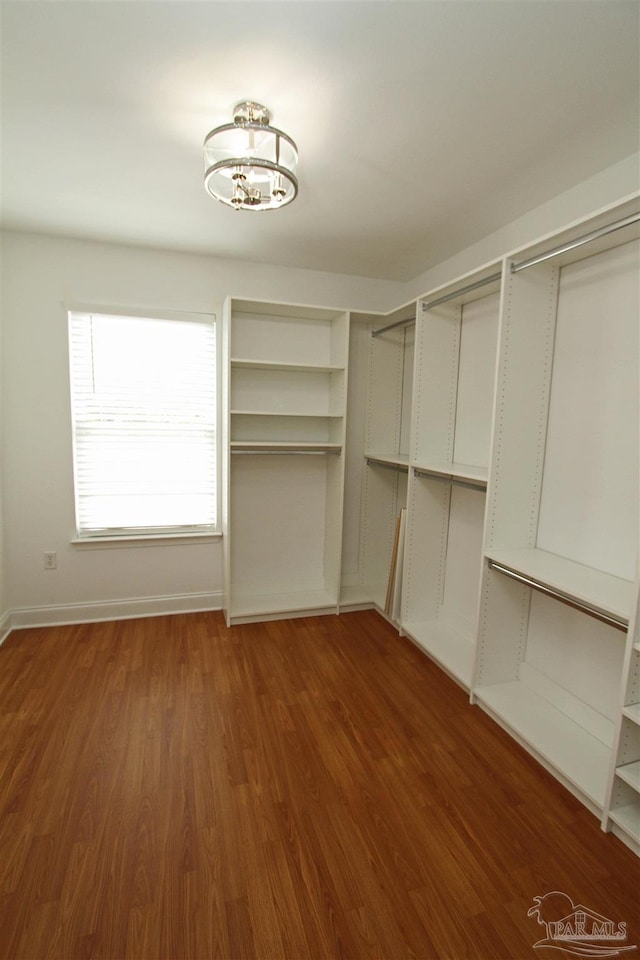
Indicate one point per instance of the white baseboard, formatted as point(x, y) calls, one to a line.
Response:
point(69, 613)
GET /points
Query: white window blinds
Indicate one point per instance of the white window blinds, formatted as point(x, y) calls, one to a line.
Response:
point(143, 394)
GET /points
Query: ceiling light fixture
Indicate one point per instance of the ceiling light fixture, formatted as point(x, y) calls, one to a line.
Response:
point(250, 165)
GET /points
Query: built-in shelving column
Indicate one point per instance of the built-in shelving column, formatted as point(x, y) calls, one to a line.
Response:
point(623, 810)
point(561, 540)
point(386, 454)
point(456, 351)
point(286, 408)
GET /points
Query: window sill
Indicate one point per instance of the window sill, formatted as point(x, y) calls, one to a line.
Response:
point(145, 540)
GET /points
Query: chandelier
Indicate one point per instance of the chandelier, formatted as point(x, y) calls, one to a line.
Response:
point(250, 165)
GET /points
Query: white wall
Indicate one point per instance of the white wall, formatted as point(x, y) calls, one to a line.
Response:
point(41, 275)
point(602, 190)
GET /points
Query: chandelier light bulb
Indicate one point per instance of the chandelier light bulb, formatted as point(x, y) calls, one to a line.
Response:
point(250, 165)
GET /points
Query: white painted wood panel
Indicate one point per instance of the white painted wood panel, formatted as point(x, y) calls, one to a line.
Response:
point(590, 491)
point(404, 433)
point(464, 558)
point(279, 391)
point(580, 759)
point(359, 343)
point(284, 339)
point(476, 381)
point(385, 494)
point(580, 654)
point(278, 521)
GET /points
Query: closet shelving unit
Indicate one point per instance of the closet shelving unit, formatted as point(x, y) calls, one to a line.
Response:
point(623, 809)
point(386, 447)
point(560, 568)
point(285, 389)
point(454, 382)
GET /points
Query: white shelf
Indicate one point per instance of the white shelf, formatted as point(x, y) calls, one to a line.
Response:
point(277, 365)
point(632, 711)
point(286, 395)
point(578, 757)
point(281, 334)
point(628, 817)
point(445, 644)
point(630, 773)
point(451, 470)
point(248, 604)
point(355, 595)
point(391, 459)
point(593, 588)
point(239, 446)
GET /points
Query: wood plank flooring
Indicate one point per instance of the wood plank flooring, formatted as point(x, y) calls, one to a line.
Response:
point(310, 788)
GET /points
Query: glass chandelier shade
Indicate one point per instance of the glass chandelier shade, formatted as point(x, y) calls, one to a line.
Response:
point(250, 165)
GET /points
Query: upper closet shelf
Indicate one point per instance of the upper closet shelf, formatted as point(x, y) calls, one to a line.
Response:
point(450, 470)
point(388, 459)
point(277, 365)
point(587, 587)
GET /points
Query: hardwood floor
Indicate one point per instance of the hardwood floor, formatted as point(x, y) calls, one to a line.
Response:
point(304, 788)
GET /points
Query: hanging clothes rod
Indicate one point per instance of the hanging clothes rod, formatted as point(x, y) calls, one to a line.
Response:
point(392, 326)
point(572, 244)
point(461, 291)
point(402, 467)
point(515, 268)
point(283, 453)
point(444, 299)
point(609, 619)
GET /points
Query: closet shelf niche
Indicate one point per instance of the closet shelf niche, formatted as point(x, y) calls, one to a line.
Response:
point(284, 425)
point(389, 381)
point(561, 542)
point(454, 378)
point(623, 813)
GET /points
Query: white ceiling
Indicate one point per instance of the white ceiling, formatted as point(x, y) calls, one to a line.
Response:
point(421, 126)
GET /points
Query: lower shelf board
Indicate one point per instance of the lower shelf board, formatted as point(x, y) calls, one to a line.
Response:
point(377, 593)
point(632, 711)
point(628, 817)
point(246, 604)
point(443, 641)
point(630, 773)
point(578, 757)
point(355, 595)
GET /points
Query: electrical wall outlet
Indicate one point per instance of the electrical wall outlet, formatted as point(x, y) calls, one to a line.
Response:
point(50, 561)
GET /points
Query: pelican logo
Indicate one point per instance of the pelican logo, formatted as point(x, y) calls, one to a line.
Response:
point(576, 929)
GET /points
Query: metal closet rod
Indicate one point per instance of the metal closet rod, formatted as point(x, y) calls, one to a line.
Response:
point(572, 244)
point(392, 326)
point(516, 267)
point(283, 453)
point(612, 621)
point(460, 291)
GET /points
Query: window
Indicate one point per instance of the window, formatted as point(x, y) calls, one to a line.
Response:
point(143, 398)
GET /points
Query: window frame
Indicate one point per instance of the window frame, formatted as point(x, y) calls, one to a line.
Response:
point(148, 536)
